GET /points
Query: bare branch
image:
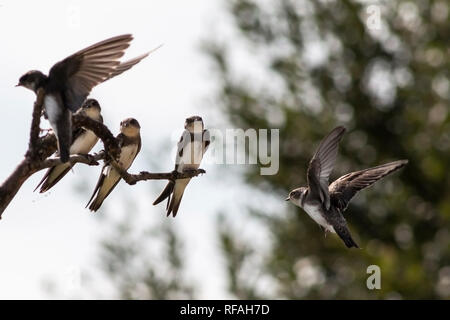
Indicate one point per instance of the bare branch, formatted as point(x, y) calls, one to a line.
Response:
point(27, 168)
point(132, 179)
point(35, 126)
point(174, 175)
point(90, 160)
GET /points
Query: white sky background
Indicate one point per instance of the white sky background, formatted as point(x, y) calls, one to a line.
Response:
point(51, 236)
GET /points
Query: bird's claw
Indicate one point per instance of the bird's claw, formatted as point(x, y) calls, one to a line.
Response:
point(194, 171)
point(90, 158)
point(174, 174)
point(46, 131)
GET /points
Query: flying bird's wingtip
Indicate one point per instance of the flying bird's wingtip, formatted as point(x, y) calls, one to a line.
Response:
point(400, 163)
point(154, 49)
point(145, 55)
point(128, 36)
point(341, 128)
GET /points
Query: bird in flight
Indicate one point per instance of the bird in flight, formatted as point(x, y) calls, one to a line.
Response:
point(326, 203)
point(190, 150)
point(70, 81)
point(83, 141)
point(129, 140)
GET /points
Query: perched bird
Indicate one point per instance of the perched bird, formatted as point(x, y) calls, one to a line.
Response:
point(83, 141)
point(325, 203)
point(129, 140)
point(190, 150)
point(70, 81)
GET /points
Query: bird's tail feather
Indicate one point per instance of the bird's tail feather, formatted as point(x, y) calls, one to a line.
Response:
point(106, 183)
point(165, 193)
point(52, 177)
point(177, 195)
point(64, 134)
point(349, 242)
point(96, 203)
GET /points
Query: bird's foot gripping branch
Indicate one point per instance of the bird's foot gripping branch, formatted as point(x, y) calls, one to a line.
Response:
point(40, 148)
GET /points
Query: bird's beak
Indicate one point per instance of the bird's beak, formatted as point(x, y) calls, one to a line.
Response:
point(18, 85)
point(287, 199)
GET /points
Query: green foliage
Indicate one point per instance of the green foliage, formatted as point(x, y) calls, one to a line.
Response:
point(390, 87)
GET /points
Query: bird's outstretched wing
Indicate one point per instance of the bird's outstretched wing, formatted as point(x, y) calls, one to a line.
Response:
point(124, 66)
point(343, 189)
point(87, 68)
point(322, 164)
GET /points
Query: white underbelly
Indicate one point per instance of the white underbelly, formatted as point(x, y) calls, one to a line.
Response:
point(84, 143)
point(127, 155)
point(192, 156)
point(52, 109)
point(314, 213)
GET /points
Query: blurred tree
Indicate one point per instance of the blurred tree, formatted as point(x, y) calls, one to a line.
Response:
point(380, 68)
point(135, 273)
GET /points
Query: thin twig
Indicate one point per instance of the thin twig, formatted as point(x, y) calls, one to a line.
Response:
point(89, 159)
point(132, 179)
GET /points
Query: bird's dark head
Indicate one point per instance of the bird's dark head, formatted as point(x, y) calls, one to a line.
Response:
point(130, 127)
point(91, 108)
point(194, 124)
point(32, 80)
point(91, 104)
point(297, 195)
